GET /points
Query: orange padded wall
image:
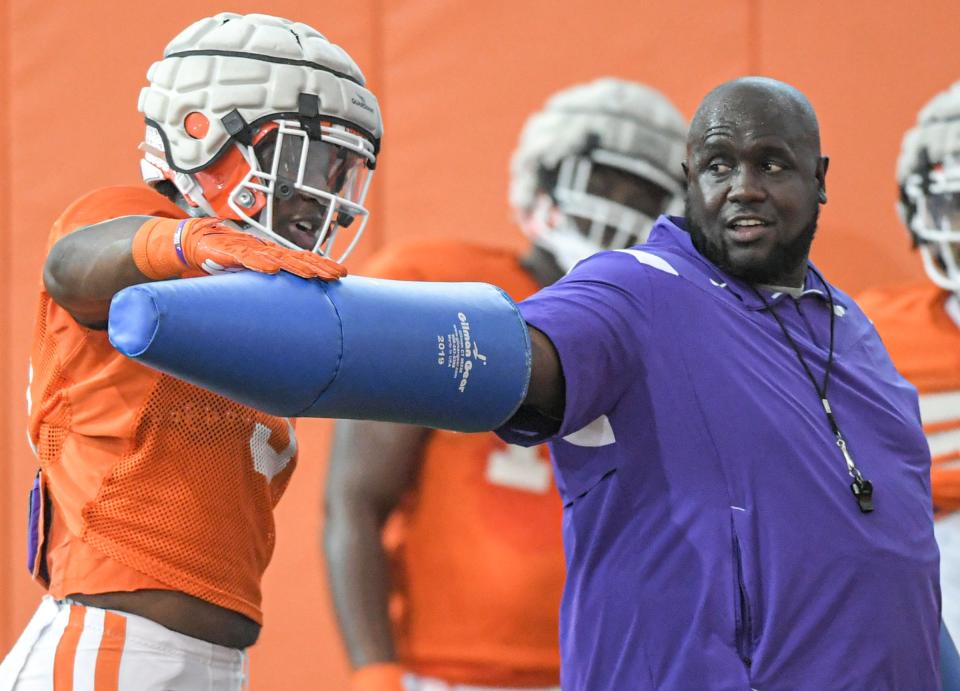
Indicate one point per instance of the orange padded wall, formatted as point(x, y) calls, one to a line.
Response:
point(455, 79)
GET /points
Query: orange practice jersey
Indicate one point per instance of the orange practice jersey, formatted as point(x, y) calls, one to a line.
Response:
point(923, 340)
point(154, 483)
point(479, 564)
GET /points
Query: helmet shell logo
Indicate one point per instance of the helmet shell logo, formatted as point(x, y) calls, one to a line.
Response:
point(360, 103)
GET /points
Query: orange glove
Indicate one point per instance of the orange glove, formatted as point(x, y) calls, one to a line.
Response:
point(169, 248)
point(383, 676)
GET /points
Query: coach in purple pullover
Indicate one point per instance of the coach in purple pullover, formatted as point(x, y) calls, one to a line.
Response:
point(745, 478)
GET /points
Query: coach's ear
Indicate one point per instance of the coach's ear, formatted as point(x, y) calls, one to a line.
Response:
point(821, 174)
point(684, 179)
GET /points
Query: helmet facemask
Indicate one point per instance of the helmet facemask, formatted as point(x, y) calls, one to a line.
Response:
point(305, 186)
point(601, 200)
point(934, 197)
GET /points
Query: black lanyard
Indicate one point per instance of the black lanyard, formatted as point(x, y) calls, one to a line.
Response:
point(862, 488)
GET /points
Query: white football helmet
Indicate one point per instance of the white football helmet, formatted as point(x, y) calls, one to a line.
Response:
point(557, 188)
point(928, 172)
point(263, 121)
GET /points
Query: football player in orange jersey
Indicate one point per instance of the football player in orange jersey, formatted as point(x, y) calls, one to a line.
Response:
point(465, 594)
point(920, 322)
point(151, 515)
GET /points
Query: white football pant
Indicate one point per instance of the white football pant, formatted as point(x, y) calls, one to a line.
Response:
point(71, 647)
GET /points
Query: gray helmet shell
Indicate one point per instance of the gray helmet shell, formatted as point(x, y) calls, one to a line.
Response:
point(243, 69)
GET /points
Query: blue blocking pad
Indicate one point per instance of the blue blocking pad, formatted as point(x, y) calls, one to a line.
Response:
point(446, 355)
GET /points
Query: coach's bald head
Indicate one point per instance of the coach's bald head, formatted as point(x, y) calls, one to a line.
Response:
point(762, 97)
point(755, 177)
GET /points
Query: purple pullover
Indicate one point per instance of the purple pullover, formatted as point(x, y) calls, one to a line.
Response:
point(711, 537)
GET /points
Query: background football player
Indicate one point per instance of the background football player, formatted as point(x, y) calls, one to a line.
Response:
point(151, 514)
point(920, 323)
point(468, 587)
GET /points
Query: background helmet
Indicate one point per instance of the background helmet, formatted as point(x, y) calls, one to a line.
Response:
point(605, 124)
point(247, 112)
point(928, 173)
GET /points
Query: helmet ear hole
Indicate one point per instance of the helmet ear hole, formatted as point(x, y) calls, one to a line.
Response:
point(196, 124)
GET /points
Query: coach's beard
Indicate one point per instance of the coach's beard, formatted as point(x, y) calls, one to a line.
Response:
point(783, 259)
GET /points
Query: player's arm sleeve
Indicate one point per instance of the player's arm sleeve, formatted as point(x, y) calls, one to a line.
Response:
point(596, 319)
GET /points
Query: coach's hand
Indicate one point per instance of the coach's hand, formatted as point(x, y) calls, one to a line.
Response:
point(169, 248)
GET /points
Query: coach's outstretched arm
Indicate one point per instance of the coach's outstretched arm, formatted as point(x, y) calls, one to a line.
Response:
point(446, 355)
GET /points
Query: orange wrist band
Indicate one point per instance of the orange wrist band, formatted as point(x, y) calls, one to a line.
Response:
point(157, 250)
point(383, 676)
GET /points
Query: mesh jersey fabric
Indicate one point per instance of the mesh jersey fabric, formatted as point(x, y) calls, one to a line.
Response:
point(164, 480)
point(477, 558)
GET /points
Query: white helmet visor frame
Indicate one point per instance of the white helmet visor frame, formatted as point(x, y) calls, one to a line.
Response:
point(327, 178)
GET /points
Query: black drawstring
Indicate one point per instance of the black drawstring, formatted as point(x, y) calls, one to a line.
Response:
point(862, 488)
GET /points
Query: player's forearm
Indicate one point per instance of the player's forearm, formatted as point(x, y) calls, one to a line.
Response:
point(359, 583)
point(87, 267)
